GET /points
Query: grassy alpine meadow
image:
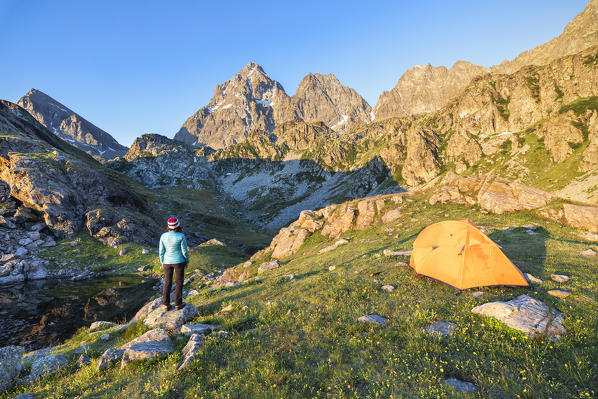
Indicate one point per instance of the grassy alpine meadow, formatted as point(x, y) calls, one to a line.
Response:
point(299, 338)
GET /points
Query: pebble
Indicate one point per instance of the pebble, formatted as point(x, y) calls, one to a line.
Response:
point(461, 386)
point(122, 252)
point(559, 293)
point(529, 277)
point(588, 252)
point(145, 251)
point(401, 264)
point(559, 278)
point(331, 268)
point(388, 288)
point(477, 293)
point(374, 319)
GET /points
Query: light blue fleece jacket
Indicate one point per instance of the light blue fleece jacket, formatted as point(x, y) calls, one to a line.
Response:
point(173, 248)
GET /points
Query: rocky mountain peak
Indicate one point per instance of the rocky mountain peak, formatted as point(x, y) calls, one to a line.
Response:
point(323, 98)
point(244, 103)
point(251, 100)
point(70, 126)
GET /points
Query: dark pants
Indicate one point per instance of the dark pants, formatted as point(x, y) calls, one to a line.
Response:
point(179, 269)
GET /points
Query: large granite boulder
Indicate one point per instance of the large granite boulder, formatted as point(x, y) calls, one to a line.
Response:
point(172, 319)
point(526, 314)
point(578, 216)
point(10, 365)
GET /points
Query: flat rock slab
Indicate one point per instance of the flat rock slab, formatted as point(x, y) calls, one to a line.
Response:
point(531, 279)
point(477, 294)
point(587, 235)
point(268, 266)
point(441, 328)
point(329, 248)
point(374, 319)
point(110, 357)
point(151, 344)
point(199, 328)
point(461, 386)
point(25, 396)
point(190, 350)
point(526, 314)
point(172, 319)
point(10, 365)
point(559, 278)
point(559, 293)
point(388, 252)
point(47, 365)
point(588, 252)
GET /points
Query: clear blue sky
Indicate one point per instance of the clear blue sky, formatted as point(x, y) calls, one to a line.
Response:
point(133, 67)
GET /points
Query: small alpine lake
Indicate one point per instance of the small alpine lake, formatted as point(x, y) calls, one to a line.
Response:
point(42, 313)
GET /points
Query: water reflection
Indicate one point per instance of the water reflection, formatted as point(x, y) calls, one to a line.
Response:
point(42, 313)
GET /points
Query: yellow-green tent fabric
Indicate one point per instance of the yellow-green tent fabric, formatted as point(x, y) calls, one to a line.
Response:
point(458, 254)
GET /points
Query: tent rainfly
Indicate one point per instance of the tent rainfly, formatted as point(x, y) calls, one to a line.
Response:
point(460, 255)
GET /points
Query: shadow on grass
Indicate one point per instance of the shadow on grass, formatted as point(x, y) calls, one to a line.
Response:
point(524, 247)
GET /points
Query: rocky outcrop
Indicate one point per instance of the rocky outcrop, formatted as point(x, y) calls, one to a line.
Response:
point(496, 195)
point(578, 216)
point(526, 314)
point(118, 225)
point(332, 222)
point(57, 181)
point(70, 126)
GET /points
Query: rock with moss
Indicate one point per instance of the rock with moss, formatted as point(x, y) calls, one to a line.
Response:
point(10, 365)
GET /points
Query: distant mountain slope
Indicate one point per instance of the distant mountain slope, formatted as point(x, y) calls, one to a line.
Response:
point(425, 89)
point(251, 100)
point(70, 126)
point(581, 33)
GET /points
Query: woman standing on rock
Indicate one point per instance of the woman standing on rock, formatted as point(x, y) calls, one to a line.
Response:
point(174, 256)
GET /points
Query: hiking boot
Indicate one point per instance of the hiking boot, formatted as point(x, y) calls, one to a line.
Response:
point(166, 308)
point(179, 307)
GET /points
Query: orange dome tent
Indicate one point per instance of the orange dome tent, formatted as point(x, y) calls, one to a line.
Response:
point(458, 254)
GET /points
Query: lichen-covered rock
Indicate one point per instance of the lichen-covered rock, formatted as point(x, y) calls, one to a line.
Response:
point(171, 319)
point(151, 344)
point(10, 365)
point(110, 357)
point(47, 365)
point(190, 350)
point(441, 328)
point(526, 314)
point(373, 319)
